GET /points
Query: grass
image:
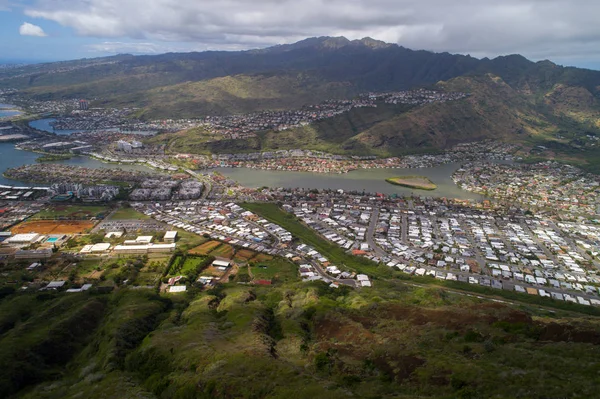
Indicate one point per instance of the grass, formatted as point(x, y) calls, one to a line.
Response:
point(276, 270)
point(307, 340)
point(191, 264)
point(187, 240)
point(72, 212)
point(418, 182)
point(127, 213)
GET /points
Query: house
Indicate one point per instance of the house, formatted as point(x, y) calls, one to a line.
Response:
point(53, 285)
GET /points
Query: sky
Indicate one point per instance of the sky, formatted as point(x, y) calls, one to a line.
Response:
point(564, 31)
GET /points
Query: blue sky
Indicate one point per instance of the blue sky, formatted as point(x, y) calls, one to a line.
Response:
point(50, 30)
point(60, 43)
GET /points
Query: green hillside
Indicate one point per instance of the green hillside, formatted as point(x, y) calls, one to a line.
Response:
point(304, 340)
point(559, 116)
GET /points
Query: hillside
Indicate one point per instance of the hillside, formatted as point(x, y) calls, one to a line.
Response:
point(304, 340)
point(559, 116)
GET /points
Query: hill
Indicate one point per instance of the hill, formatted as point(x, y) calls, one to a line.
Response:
point(304, 340)
point(557, 117)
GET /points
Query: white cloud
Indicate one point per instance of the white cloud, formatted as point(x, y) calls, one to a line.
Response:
point(28, 29)
point(536, 28)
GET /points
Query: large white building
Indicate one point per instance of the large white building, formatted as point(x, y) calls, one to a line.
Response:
point(144, 249)
point(23, 238)
point(170, 236)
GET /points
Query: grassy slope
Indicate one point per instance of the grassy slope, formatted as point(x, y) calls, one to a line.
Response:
point(238, 94)
point(310, 341)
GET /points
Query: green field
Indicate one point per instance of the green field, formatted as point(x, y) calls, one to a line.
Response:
point(127, 213)
point(276, 269)
point(72, 212)
point(188, 266)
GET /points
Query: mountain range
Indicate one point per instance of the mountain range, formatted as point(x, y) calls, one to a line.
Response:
point(511, 97)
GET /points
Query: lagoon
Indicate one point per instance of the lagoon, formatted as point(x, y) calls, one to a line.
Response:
point(44, 125)
point(8, 110)
point(369, 180)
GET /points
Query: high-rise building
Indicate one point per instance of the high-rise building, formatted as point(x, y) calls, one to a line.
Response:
point(83, 105)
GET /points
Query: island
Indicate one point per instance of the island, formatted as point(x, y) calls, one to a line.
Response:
point(418, 182)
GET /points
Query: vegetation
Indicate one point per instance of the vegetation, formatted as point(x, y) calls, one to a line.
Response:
point(418, 182)
point(72, 212)
point(304, 340)
point(53, 157)
point(125, 213)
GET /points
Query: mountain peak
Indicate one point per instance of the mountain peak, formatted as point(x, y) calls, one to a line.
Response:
point(371, 43)
point(328, 43)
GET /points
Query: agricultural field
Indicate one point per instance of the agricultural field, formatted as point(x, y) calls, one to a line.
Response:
point(223, 251)
point(205, 248)
point(244, 255)
point(53, 227)
point(275, 270)
point(151, 273)
point(261, 258)
point(187, 240)
point(186, 265)
point(127, 214)
point(72, 212)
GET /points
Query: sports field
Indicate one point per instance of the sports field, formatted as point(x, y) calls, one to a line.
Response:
point(53, 227)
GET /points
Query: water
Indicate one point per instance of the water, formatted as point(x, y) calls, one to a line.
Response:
point(369, 180)
point(8, 110)
point(45, 125)
point(11, 158)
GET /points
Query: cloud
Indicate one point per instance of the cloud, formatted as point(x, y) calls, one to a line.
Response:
point(536, 28)
point(28, 29)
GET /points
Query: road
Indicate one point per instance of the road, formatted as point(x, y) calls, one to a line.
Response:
point(371, 231)
point(207, 183)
